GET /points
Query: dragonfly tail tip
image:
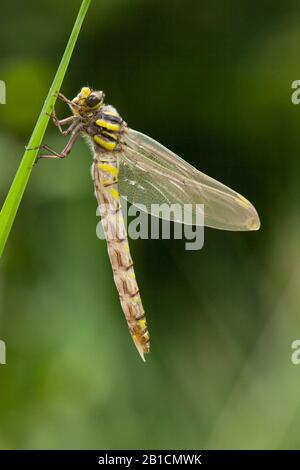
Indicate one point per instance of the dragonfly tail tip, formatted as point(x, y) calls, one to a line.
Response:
point(140, 349)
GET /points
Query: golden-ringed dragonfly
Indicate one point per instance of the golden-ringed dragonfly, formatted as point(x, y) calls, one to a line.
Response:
point(127, 162)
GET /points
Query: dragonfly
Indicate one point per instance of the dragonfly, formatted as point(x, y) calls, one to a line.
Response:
point(127, 162)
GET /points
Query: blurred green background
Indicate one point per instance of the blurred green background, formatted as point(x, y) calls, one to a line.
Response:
point(211, 80)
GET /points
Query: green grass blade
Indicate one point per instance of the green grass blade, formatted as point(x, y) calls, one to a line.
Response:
point(13, 199)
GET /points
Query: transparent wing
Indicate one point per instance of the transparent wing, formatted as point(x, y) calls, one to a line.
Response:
point(152, 174)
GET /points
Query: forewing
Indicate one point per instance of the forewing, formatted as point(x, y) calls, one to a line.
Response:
point(152, 174)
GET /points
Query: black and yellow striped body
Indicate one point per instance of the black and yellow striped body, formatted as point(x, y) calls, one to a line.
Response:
point(103, 128)
point(106, 129)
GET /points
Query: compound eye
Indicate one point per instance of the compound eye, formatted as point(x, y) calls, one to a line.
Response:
point(92, 101)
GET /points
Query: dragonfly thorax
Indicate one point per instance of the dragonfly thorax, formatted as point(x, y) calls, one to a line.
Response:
point(105, 128)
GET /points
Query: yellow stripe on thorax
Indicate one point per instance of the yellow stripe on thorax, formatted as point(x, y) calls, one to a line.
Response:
point(108, 125)
point(112, 113)
point(104, 143)
point(110, 134)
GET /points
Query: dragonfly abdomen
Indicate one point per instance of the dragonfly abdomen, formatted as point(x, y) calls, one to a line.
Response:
point(105, 176)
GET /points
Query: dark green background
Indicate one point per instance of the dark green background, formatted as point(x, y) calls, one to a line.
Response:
point(211, 80)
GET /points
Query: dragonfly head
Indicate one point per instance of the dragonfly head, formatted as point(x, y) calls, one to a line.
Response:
point(88, 101)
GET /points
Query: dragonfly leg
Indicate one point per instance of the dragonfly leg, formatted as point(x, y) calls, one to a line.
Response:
point(62, 122)
point(68, 102)
point(53, 153)
point(63, 154)
point(64, 98)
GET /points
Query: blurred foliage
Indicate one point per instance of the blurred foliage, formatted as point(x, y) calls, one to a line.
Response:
point(25, 100)
point(212, 81)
